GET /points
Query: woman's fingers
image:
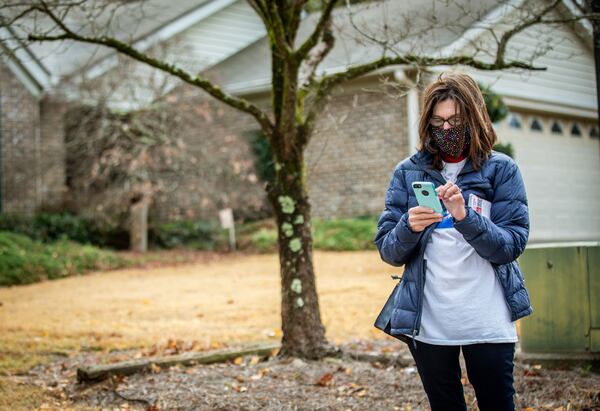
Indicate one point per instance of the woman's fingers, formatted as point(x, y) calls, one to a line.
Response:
point(441, 190)
point(455, 197)
point(419, 219)
point(421, 210)
point(448, 190)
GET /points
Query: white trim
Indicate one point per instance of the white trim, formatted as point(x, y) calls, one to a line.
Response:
point(247, 87)
point(494, 17)
point(262, 84)
point(413, 120)
point(23, 76)
point(412, 115)
point(582, 22)
point(480, 27)
point(539, 106)
point(564, 244)
point(35, 70)
point(167, 31)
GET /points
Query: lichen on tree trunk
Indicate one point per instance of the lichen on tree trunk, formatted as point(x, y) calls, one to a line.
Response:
point(303, 330)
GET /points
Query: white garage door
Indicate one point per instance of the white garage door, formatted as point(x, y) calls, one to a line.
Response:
point(559, 158)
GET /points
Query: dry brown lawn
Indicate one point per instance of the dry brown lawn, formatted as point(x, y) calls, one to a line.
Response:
point(220, 301)
point(209, 300)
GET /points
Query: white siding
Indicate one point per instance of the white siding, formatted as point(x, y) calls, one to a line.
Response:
point(220, 36)
point(569, 79)
point(195, 49)
point(562, 178)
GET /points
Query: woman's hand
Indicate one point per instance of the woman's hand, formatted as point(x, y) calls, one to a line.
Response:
point(420, 217)
point(451, 196)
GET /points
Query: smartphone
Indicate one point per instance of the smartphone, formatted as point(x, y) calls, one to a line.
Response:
point(427, 196)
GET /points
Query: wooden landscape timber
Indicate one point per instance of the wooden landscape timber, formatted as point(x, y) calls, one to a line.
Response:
point(100, 372)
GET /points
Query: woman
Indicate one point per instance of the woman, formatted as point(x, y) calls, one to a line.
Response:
point(462, 287)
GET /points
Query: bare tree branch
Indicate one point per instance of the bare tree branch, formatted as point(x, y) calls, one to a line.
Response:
point(212, 89)
point(293, 20)
point(313, 39)
point(536, 19)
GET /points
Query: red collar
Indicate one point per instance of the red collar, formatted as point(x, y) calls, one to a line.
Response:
point(449, 159)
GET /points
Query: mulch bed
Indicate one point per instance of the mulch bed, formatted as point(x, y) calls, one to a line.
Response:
point(293, 384)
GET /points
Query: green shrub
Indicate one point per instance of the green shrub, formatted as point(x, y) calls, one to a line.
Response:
point(263, 155)
point(264, 240)
point(505, 148)
point(494, 103)
point(197, 234)
point(345, 233)
point(48, 227)
point(336, 234)
point(25, 261)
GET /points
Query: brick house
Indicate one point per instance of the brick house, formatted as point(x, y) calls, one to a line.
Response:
point(368, 127)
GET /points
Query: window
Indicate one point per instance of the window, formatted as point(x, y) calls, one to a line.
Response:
point(514, 121)
point(536, 124)
point(593, 132)
point(575, 130)
point(556, 128)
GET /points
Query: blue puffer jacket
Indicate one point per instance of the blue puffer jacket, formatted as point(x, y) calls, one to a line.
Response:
point(500, 239)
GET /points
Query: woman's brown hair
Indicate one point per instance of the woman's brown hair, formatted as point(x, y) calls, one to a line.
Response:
point(463, 90)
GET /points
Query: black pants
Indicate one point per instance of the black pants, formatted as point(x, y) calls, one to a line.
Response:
point(489, 369)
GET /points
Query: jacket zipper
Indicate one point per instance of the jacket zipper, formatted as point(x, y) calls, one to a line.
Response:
point(422, 286)
point(436, 175)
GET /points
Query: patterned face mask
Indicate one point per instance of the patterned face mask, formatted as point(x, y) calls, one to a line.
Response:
point(453, 140)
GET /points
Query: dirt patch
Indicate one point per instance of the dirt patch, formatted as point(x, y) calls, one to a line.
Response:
point(293, 384)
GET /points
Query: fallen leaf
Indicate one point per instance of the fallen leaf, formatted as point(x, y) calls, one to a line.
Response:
point(362, 392)
point(240, 388)
point(325, 379)
point(238, 360)
point(530, 373)
point(346, 370)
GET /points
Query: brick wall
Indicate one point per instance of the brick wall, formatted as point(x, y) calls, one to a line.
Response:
point(359, 139)
point(32, 148)
point(53, 184)
point(20, 145)
point(219, 171)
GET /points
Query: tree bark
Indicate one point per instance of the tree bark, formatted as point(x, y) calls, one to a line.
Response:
point(303, 330)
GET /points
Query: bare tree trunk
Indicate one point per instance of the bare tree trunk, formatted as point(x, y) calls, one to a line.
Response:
point(303, 331)
point(138, 228)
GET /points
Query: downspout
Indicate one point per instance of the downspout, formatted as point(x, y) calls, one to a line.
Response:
point(412, 114)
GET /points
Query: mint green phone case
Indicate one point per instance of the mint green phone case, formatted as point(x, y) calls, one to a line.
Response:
point(427, 196)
